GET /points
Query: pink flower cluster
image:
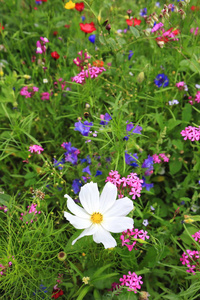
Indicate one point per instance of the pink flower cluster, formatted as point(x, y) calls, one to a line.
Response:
point(135, 234)
point(194, 30)
point(62, 84)
point(36, 149)
point(31, 209)
point(41, 48)
point(132, 281)
point(196, 99)
point(28, 91)
point(157, 160)
point(196, 236)
point(4, 268)
point(132, 184)
point(91, 72)
point(191, 133)
point(182, 86)
point(45, 96)
point(4, 208)
point(190, 259)
point(83, 60)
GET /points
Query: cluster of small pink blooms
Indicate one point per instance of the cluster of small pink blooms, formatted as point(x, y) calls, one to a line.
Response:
point(130, 184)
point(31, 209)
point(61, 82)
point(157, 160)
point(4, 208)
point(132, 281)
point(194, 30)
point(191, 260)
point(182, 86)
point(41, 48)
point(29, 91)
point(45, 96)
point(197, 97)
point(91, 72)
point(135, 234)
point(191, 133)
point(4, 268)
point(36, 149)
point(196, 236)
point(83, 60)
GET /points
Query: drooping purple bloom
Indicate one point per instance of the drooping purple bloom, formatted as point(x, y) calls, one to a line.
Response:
point(148, 186)
point(131, 159)
point(76, 184)
point(92, 38)
point(148, 164)
point(98, 173)
point(72, 153)
point(161, 80)
point(87, 159)
point(143, 12)
point(87, 170)
point(59, 164)
point(130, 54)
point(105, 119)
point(83, 128)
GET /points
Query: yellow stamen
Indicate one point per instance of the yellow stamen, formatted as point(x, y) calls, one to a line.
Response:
point(96, 218)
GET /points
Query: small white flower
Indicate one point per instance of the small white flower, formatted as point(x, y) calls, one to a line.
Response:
point(197, 86)
point(100, 215)
point(145, 222)
point(45, 80)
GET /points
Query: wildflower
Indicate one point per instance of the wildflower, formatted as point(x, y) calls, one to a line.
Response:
point(79, 6)
point(196, 236)
point(44, 39)
point(190, 259)
point(194, 30)
point(181, 86)
point(83, 18)
point(45, 80)
point(161, 80)
point(98, 63)
point(132, 281)
point(32, 210)
point(105, 119)
point(45, 96)
point(83, 128)
point(148, 186)
point(70, 5)
point(145, 222)
point(98, 173)
point(91, 72)
point(133, 22)
point(197, 97)
point(143, 12)
point(130, 54)
point(82, 60)
point(62, 256)
point(1, 27)
point(173, 102)
point(59, 164)
point(157, 26)
point(191, 133)
point(87, 27)
point(36, 149)
point(76, 185)
point(72, 153)
point(131, 159)
point(92, 38)
point(57, 292)
point(148, 164)
point(87, 170)
point(55, 55)
point(28, 91)
point(100, 215)
point(85, 280)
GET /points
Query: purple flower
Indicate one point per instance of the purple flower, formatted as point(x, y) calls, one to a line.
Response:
point(105, 119)
point(161, 80)
point(92, 38)
point(87, 170)
point(136, 129)
point(131, 159)
point(83, 128)
point(87, 159)
point(83, 18)
point(98, 173)
point(72, 153)
point(59, 164)
point(130, 54)
point(148, 164)
point(148, 186)
point(143, 12)
point(76, 184)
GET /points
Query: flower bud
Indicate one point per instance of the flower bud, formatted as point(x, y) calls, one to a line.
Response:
point(62, 256)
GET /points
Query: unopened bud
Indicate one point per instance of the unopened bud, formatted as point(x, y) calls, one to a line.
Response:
point(108, 27)
point(129, 11)
point(62, 256)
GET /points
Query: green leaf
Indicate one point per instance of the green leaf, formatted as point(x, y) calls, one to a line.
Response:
point(4, 199)
point(175, 166)
point(99, 271)
point(173, 123)
point(84, 292)
point(187, 113)
point(135, 32)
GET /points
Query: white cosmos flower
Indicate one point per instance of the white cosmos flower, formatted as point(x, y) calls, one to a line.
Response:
point(100, 215)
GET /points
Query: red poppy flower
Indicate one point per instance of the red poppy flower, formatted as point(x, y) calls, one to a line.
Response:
point(79, 6)
point(57, 293)
point(129, 22)
point(87, 27)
point(194, 8)
point(55, 55)
point(133, 22)
point(136, 22)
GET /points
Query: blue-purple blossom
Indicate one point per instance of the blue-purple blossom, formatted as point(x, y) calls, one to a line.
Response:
point(76, 184)
point(98, 173)
point(83, 128)
point(87, 159)
point(143, 12)
point(148, 186)
point(130, 54)
point(131, 159)
point(105, 119)
point(133, 129)
point(161, 80)
point(83, 18)
point(59, 164)
point(148, 164)
point(72, 153)
point(92, 38)
point(87, 170)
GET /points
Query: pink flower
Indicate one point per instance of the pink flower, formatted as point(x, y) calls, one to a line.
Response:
point(132, 281)
point(44, 39)
point(28, 91)
point(181, 86)
point(157, 27)
point(191, 133)
point(197, 97)
point(36, 149)
point(196, 236)
point(45, 96)
point(194, 30)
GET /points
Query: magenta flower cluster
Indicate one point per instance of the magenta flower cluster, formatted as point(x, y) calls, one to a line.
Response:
point(91, 72)
point(4, 268)
point(135, 234)
point(82, 60)
point(157, 160)
point(196, 236)
point(130, 184)
point(132, 281)
point(31, 209)
point(4, 208)
point(41, 46)
point(29, 91)
point(190, 259)
point(36, 149)
point(191, 133)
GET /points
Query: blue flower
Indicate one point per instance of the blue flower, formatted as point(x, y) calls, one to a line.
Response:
point(59, 163)
point(72, 153)
point(92, 38)
point(98, 173)
point(131, 159)
point(83, 18)
point(106, 119)
point(148, 186)
point(148, 164)
point(87, 159)
point(87, 170)
point(130, 54)
point(161, 80)
point(83, 128)
point(39, 292)
point(143, 12)
point(134, 129)
point(76, 184)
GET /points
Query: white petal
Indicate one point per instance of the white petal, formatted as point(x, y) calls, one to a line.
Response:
point(117, 224)
point(77, 222)
point(89, 197)
point(89, 231)
point(121, 208)
point(104, 237)
point(108, 197)
point(76, 209)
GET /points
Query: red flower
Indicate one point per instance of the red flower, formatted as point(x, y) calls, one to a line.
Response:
point(79, 6)
point(57, 293)
point(55, 55)
point(133, 22)
point(67, 26)
point(1, 27)
point(55, 33)
point(194, 8)
point(87, 27)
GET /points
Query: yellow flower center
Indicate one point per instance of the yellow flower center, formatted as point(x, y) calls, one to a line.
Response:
point(96, 218)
